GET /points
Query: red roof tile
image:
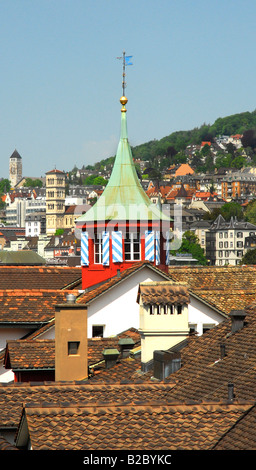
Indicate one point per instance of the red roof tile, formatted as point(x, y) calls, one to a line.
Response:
point(30, 306)
point(39, 277)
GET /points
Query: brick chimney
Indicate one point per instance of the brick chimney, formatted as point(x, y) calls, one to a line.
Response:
point(163, 318)
point(71, 361)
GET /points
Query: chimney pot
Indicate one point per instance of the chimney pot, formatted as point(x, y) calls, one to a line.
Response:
point(71, 298)
point(166, 363)
point(231, 394)
point(126, 344)
point(237, 320)
point(110, 356)
point(222, 350)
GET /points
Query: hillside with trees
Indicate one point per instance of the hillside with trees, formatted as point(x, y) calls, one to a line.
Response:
point(172, 149)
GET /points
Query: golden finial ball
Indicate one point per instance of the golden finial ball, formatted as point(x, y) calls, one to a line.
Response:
point(123, 100)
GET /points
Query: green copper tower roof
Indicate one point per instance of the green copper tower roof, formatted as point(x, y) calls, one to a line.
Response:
point(123, 198)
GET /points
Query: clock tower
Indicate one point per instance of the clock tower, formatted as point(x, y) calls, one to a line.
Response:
point(15, 168)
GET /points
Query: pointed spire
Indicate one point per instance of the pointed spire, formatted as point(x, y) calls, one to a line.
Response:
point(123, 198)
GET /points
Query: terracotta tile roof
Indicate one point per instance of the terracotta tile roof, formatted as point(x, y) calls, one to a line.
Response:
point(97, 345)
point(38, 277)
point(40, 354)
point(215, 277)
point(192, 401)
point(225, 288)
point(206, 372)
point(30, 354)
point(184, 169)
point(5, 445)
point(156, 191)
point(12, 396)
point(30, 306)
point(55, 171)
point(127, 370)
point(149, 425)
point(227, 300)
point(161, 293)
point(242, 435)
point(180, 192)
point(70, 209)
point(204, 195)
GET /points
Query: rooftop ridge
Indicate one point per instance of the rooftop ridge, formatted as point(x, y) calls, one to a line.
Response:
point(137, 406)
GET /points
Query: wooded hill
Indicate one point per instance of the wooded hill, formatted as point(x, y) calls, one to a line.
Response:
point(230, 125)
point(171, 148)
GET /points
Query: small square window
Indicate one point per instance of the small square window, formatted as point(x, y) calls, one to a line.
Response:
point(97, 331)
point(73, 347)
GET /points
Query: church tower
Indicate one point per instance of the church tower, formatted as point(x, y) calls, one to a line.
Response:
point(15, 168)
point(55, 201)
point(123, 227)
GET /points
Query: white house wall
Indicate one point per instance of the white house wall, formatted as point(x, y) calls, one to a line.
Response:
point(6, 375)
point(7, 334)
point(118, 310)
point(201, 315)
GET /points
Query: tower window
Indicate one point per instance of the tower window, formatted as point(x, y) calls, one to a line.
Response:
point(73, 347)
point(97, 250)
point(132, 247)
point(179, 309)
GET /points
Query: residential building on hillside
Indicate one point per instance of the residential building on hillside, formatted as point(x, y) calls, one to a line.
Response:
point(35, 220)
point(16, 206)
point(35, 224)
point(200, 228)
point(225, 241)
point(238, 185)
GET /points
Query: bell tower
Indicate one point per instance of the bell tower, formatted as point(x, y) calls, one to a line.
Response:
point(123, 227)
point(15, 168)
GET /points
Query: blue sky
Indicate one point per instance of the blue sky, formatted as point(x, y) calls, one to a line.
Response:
point(193, 61)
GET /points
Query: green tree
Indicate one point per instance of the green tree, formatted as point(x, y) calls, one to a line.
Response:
point(206, 150)
point(223, 161)
point(5, 186)
point(95, 180)
point(99, 181)
point(211, 216)
point(238, 162)
point(249, 257)
point(190, 244)
point(250, 212)
point(232, 209)
point(29, 183)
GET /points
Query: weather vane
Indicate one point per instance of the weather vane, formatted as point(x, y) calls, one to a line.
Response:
point(126, 61)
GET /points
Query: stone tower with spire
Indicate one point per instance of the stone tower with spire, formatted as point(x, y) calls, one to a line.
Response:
point(123, 227)
point(15, 168)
